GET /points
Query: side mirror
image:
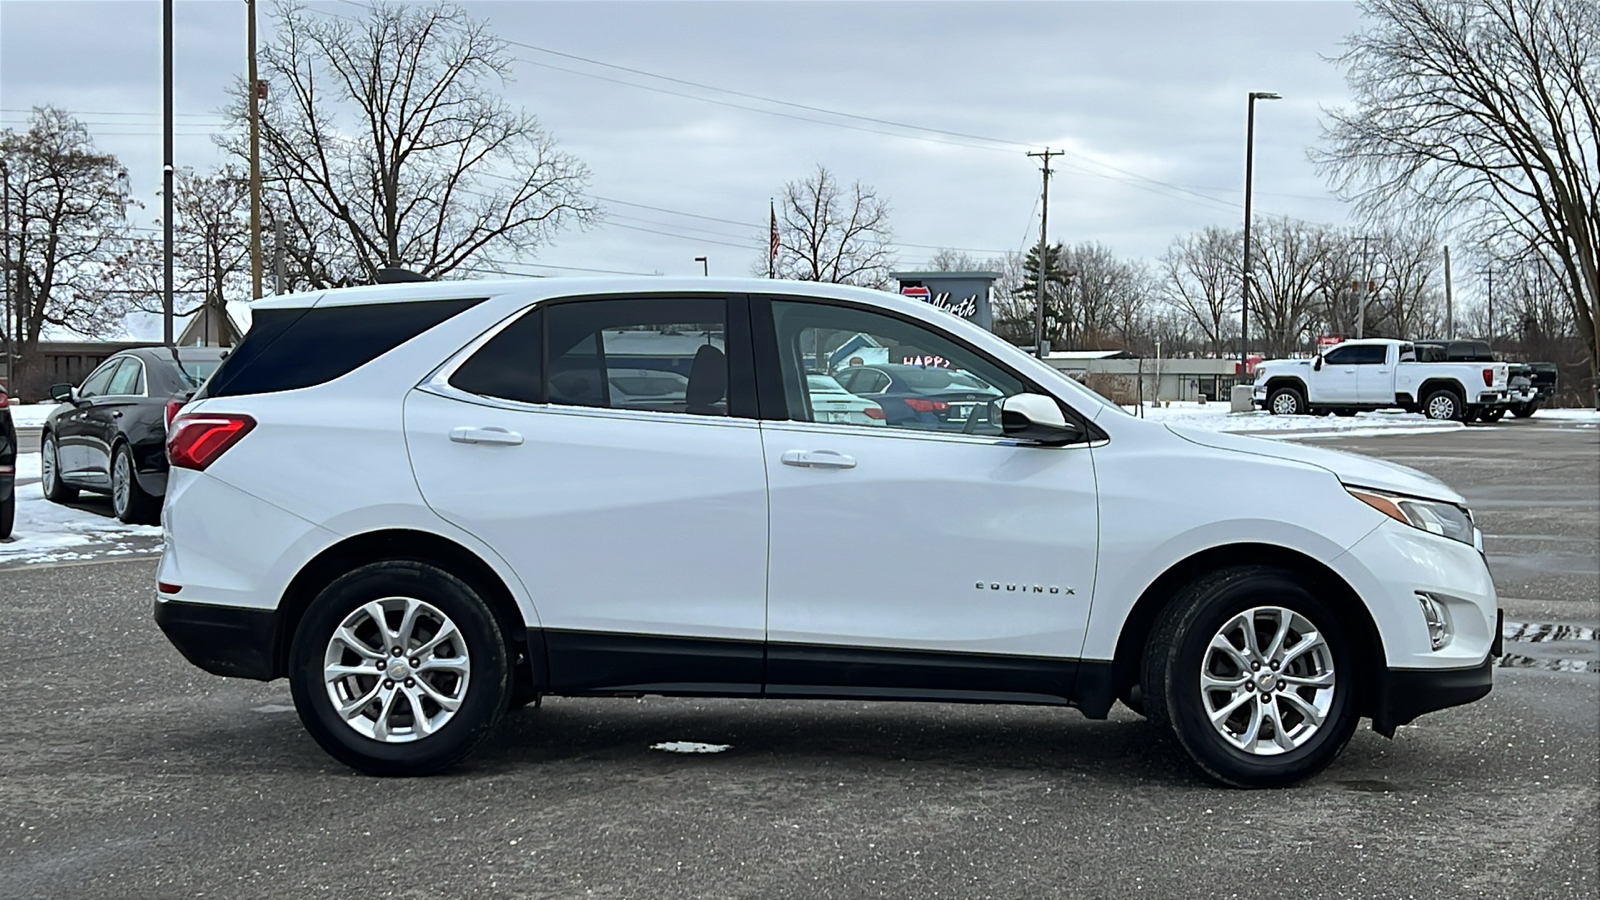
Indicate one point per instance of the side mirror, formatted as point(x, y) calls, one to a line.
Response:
point(1035, 417)
point(63, 393)
point(1316, 366)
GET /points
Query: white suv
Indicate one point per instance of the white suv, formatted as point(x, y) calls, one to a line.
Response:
point(425, 504)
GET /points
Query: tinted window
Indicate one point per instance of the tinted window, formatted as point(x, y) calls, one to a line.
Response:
point(508, 366)
point(95, 384)
point(1362, 355)
point(287, 349)
point(126, 380)
point(666, 355)
point(930, 383)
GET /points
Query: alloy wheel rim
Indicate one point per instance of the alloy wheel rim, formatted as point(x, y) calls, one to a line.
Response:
point(396, 670)
point(1441, 408)
point(1284, 404)
point(1267, 681)
point(121, 480)
point(47, 463)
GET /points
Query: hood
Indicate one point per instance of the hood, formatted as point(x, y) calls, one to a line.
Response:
point(1351, 468)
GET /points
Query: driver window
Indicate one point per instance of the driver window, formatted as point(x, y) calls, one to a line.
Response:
point(95, 384)
point(851, 367)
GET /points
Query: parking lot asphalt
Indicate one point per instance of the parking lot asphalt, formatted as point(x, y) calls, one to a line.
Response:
point(125, 772)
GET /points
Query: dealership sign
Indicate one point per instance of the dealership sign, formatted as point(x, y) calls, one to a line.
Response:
point(965, 294)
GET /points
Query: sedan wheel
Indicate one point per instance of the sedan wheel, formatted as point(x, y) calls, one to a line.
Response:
point(50, 473)
point(129, 501)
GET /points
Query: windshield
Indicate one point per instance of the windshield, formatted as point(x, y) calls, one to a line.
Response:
point(194, 372)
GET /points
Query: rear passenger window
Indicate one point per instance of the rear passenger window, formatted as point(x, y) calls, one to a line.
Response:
point(665, 355)
point(287, 349)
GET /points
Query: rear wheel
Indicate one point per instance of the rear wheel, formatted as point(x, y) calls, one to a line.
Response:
point(1444, 404)
point(50, 473)
point(8, 514)
point(1344, 413)
point(1524, 410)
point(1493, 415)
point(399, 668)
point(1254, 676)
point(1287, 401)
point(130, 502)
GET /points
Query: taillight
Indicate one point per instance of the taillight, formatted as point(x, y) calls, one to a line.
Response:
point(927, 405)
point(172, 412)
point(1488, 377)
point(874, 412)
point(195, 440)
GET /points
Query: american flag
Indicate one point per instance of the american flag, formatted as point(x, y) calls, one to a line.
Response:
point(773, 253)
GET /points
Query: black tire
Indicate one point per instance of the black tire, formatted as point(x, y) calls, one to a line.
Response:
point(8, 514)
point(1444, 405)
point(1493, 415)
point(1524, 410)
point(50, 482)
point(1287, 401)
point(483, 697)
point(134, 506)
point(1344, 413)
point(1177, 650)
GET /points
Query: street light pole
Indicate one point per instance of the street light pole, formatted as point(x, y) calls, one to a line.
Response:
point(1244, 283)
point(166, 173)
point(254, 94)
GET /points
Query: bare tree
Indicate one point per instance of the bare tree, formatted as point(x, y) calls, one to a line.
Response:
point(828, 232)
point(1286, 255)
point(386, 143)
point(1488, 110)
point(1200, 277)
point(66, 207)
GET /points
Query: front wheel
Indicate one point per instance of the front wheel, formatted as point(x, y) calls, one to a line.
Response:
point(399, 668)
point(50, 473)
point(1254, 676)
point(8, 514)
point(1287, 401)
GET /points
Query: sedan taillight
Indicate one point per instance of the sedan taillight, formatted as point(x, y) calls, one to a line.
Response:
point(195, 440)
point(172, 412)
point(927, 405)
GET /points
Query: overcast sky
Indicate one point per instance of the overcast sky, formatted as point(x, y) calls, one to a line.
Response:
point(1147, 98)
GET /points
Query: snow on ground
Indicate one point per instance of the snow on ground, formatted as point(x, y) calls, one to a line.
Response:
point(31, 415)
point(1215, 417)
point(52, 532)
point(690, 747)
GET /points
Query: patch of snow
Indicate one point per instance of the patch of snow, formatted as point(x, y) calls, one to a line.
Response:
point(27, 466)
point(1570, 415)
point(31, 415)
point(51, 532)
point(1216, 417)
point(690, 747)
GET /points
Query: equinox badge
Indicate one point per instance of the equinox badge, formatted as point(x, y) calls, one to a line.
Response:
point(1025, 588)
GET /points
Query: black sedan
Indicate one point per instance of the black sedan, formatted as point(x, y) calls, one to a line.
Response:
point(931, 397)
point(109, 435)
point(8, 467)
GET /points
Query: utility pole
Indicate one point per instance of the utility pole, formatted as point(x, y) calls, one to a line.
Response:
point(277, 256)
point(1044, 250)
point(255, 159)
point(166, 172)
point(11, 300)
point(1490, 272)
point(1363, 288)
point(1449, 300)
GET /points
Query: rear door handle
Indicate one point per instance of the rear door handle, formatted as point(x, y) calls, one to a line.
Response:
point(466, 434)
point(819, 459)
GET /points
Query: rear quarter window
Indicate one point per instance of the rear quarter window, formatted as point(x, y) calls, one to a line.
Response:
point(287, 349)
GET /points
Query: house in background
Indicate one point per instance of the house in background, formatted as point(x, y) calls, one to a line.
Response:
point(206, 328)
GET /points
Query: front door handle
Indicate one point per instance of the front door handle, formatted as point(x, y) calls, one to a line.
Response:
point(466, 434)
point(819, 459)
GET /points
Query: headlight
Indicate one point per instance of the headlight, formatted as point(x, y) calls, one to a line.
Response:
point(1444, 519)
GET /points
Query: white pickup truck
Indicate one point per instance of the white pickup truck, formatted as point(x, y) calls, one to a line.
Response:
point(1380, 374)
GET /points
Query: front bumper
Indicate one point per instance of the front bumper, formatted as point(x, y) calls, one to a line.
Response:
point(234, 641)
point(1405, 694)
